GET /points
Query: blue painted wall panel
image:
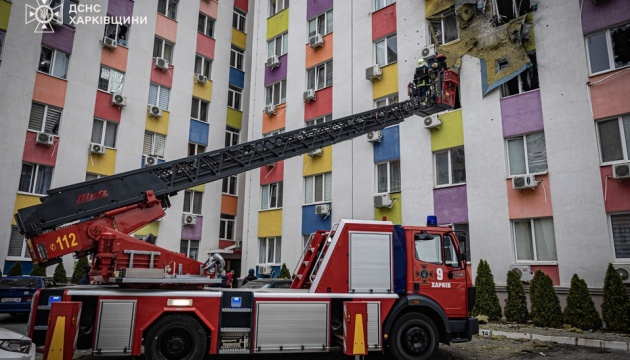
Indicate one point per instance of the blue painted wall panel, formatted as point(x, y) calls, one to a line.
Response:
point(198, 132)
point(389, 147)
point(312, 222)
point(237, 78)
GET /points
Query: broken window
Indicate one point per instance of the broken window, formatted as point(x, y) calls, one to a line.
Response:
point(444, 27)
point(527, 154)
point(609, 50)
point(506, 10)
point(525, 81)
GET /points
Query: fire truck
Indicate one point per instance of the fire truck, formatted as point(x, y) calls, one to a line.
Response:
point(361, 286)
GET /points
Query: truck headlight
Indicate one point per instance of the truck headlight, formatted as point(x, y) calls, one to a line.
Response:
point(21, 346)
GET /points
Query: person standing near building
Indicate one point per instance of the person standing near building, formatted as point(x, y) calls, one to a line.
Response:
point(250, 276)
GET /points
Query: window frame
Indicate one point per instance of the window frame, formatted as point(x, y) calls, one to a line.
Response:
point(533, 242)
point(273, 133)
point(275, 6)
point(270, 91)
point(109, 82)
point(235, 98)
point(237, 58)
point(313, 76)
point(318, 120)
point(385, 3)
point(154, 135)
point(106, 127)
point(53, 62)
point(188, 243)
point(277, 251)
point(326, 179)
point(230, 185)
point(239, 19)
point(3, 34)
point(196, 149)
point(272, 203)
point(208, 25)
point(317, 20)
point(170, 8)
point(505, 88)
point(611, 233)
point(158, 98)
point(609, 47)
point(515, 12)
point(273, 44)
point(624, 138)
point(525, 151)
point(200, 115)
point(386, 40)
point(389, 100)
point(390, 173)
point(195, 202)
point(33, 183)
point(45, 118)
point(232, 136)
point(450, 155)
point(161, 44)
point(15, 236)
point(204, 64)
point(441, 17)
point(117, 29)
point(227, 227)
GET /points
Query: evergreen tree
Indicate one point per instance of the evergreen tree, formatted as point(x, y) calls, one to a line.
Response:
point(60, 275)
point(38, 270)
point(516, 302)
point(487, 302)
point(0, 273)
point(79, 270)
point(615, 306)
point(15, 270)
point(546, 310)
point(284, 272)
point(580, 311)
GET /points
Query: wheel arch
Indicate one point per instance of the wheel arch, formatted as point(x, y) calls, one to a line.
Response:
point(194, 314)
point(423, 305)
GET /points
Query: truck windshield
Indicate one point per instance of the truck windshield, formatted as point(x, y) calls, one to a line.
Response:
point(429, 250)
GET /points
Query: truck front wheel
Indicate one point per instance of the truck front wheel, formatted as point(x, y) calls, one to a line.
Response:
point(415, 337)
point(176, 337)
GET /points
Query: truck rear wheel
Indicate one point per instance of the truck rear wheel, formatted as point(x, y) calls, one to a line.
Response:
point(415, 337)
point(176, 337)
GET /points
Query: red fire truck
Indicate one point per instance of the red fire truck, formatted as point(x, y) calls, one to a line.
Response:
point(361, 286)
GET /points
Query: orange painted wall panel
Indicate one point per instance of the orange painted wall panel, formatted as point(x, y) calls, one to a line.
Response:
point(276, 121)
point(50, 90)
point(161, 77)
point(321, 54)
point(166, 28)
point(321, 106)
point(205, 45)
point(37, 153)
point(116, 58)
point(610, 97)
point(384, 22)
point(550, 270)
point(229, 204)
point(272, 174)
point(209, 8)
point(616, 193)
point(103, 108)
point(530, 203)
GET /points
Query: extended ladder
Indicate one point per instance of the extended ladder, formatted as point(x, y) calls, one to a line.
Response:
point(311, 256)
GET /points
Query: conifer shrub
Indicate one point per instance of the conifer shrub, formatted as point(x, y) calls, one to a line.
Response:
point(487, 301)
point(0, 273)
point(284, 272)
point(615, 305)
point(580, 311)
point(516, 302)
point(60, 275)
point(546, 310)
point(38, 270)
point(15, 270)
point(79, 270)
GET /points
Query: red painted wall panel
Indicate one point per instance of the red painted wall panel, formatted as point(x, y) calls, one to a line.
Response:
point(530, 203)
point(321, 106)
point(162, 77)
point(610, 97)
point(38, 153)
point(616, 193)
point(242, 4)
point(272, 174)
point(103, 108)
point(384, 22)
point(550, 270)
point(205, 46)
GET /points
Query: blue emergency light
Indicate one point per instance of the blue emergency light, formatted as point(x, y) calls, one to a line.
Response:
point(54, 299)
point(432, 220)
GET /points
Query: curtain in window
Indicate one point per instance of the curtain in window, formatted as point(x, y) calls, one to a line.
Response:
point(269, 97)
point(536, 153)
point(308, 189)
point(262, 250)
point(458, 165)
point(394, 182)
point(545, 240)
point(165, 94)
point(36, 118)
point(16, 242)
point(97, 131)
point(26, 178)
point(392, 49)
point(264, 197)
point(329, 22)
point(516, 156)
point(285, 44)
point(523, 239)
point(278, 250)
point(153, 94)
point(450, 28)
point(381, 178)
point(160, 142)
point(312, 27)
point(60, 66)
point(329, 73)
point(115, 81)
point(271, 248)
point(44, 177)
point(319, 188)
point(610, 140)
point(147, 146)
point(441, 168)
point(273, 195)
point(52, 121)
point(328, 187)
point(110, 134)
point(621, 235)
point(380, 52)
point(197, 202)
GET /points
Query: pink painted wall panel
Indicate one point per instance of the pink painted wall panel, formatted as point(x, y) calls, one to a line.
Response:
point(209, 8)
point(193, 232)
point(272, 174)
point(103, 108)
point(242, 4)
point(321, 106)
point(530, 203)
point(205, 45)
point(384, 22)
point(550, 270)
point(610, 97)
point(166, 28)
point(50, 90)
point(616, 193)
point(37, 153)
point(161, 77)
point(116, 58)
point(321, 54)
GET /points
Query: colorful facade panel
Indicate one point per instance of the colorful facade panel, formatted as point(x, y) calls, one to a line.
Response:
point(103, 164)
point(162, 77)
point(451, 132)
point(312, 222)
point(272, 173)
point(203, 91)
point(384, 22)
point(241, 4)
point(317, 7)
point(597, 15)
point(120, 8)
point(198, 132)
point(205, 45)
point(152, 228)
point(274, 122)
point(166, 28)
point(234, 118)
point(62, 39)
point(451, 204)
point(239, 38)
point(530, 203)
point(158, 125)
point(37, 153)
point(320, 54)
point(237, 78)
point(103, 108)
point(393, 214)
point(50, 90)
point(521, 114)
point(388, 84)
point(312, 165)
point(193, 232)
point(22, 201)
point(229, 204)
point(209, 8)
point(616, 193)
point(278, 73)
point(5, 11)
point(278, 24)
point(270, 223)
point(389, 147)
point(610, 98)
point(115, 58)
point(321, 106)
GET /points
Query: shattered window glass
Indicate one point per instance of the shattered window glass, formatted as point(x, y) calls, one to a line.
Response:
point(621, 45)
point(525, 81)
point(507, 10)
point(445, 28)
point(609, 50)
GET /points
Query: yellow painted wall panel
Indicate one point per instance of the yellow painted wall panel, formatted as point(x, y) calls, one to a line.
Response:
point(103, 164)
point(153, 228)
point(270, 223)
point(394, 214)
point(451, 132)
point(278, 24)
point(203, 91)
point(317, 164)
point(200, 188)
point(5, 11)
point(234, 118)
point(239, 38)
point(388, 83)
point(158, 125)
point(22, 201)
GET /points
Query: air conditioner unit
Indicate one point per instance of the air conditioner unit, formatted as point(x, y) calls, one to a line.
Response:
point(273, 62)
point(524, 182)
point(161, 63)
point(428, 52)
point(109, 42)
point(97, 148)
point(323, 209)
point(118, 99)
point(316, 41)
point(374, 136)
point(373, 72)
point(270, 109)
point(154, 111)
point(382, 200)
point(189, 219)
point(623, 271)
point(150, 160)
point(313, 153)
point(264, 269)
point(432, 121)
point(525, 271)
point(309, 95)
point(201, 78)
point(621, 171)
point(43, 138)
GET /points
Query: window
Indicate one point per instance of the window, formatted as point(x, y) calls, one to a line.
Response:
point(278, 46)
point(269, 250)
point(163, 49)
point(229, 185)
point(390, 100)
point(450, 167)
point(2, 33)
point(159, 96)
point(199, 110)
point(525, 81)
point(111, 80)
point(154, 144)
point(386, 51)
point(429, 250)
point(35, 179)
point(118, 32)
point(620, 226)
point(275, 6)
point(226, 227)
point(53, 62)
point(66, 9)
point(203, 66)
point(320, 76)
point(271, 196)
point(168, 8)
point(614, 139)
point(232, 136)
point(323, 24)
point(234, 97)
point(236, 58)
point(104, 133)
point(190, 248)
point(17, 244)
point(194, 149)
point(388, 177)
point(319, 120)
point(273, 133)
point(379, 4)
point(44, 118)
point(205, 25)
point(609, 50)
point(277, 93)
point(534, 240)
point(90, 176)
point(318, 188)
point(443, 27)
point(238, 20)
point(527, 154)
point(192, 202)
point(506, 10)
